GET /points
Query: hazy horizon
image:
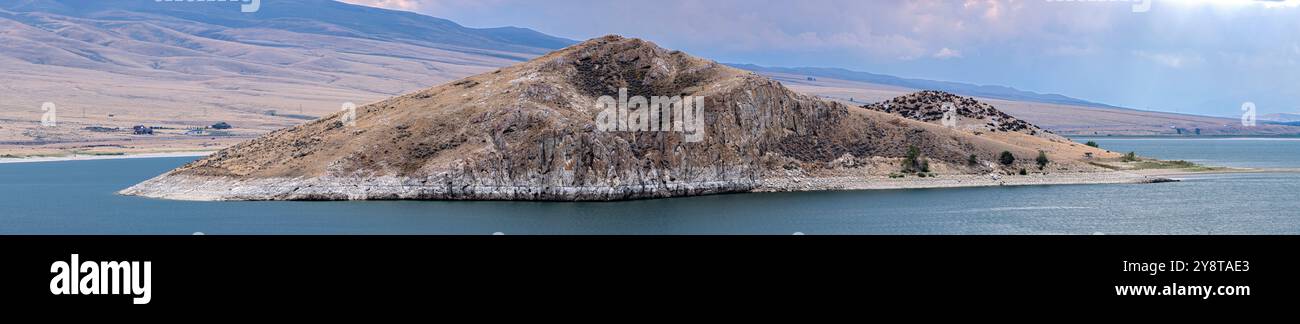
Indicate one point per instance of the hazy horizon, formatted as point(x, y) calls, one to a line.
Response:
point(1202, 57)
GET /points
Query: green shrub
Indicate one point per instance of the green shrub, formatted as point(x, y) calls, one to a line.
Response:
point(1130, 157)
point(1092, 144)
point(1007, 158)
point(973, 160)
point(1042, 160)
point(1023, 172)
point(914, 162)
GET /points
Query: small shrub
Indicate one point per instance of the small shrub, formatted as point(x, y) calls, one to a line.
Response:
point(914, 162)
point(1007, 158)
point(1130, 157)
point(1092, 144)
point(1023, 172)
point(973, 160)
point(1042, 160)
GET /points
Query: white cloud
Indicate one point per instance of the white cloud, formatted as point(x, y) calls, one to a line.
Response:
point(390, 4)
point(1279, 3)
point(1173, 60)
point(947, 53)
point(1072, 50)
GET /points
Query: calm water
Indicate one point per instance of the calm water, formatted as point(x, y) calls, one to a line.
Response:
point(1235, 152)
point(78, 198)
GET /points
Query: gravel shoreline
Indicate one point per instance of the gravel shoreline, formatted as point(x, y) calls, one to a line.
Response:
point(226, 189)
point(787, 184)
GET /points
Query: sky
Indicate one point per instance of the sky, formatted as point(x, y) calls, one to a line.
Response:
point(1203, 57)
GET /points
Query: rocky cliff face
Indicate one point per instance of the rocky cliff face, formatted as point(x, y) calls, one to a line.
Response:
point(530, 132)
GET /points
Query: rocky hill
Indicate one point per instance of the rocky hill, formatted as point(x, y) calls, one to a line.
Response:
point(533, 131)
point(968, 113)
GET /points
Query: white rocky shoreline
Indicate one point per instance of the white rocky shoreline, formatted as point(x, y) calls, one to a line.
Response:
point(201, 188)
point(790, 184)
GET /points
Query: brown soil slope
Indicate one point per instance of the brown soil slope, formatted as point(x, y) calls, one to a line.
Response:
point(528, 132)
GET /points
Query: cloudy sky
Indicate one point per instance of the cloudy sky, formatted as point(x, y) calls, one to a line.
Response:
point(1192, 56)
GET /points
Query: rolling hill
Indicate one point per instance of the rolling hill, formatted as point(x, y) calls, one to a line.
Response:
point(113, 64)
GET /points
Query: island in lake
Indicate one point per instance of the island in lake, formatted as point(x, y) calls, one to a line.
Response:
point(535, 131)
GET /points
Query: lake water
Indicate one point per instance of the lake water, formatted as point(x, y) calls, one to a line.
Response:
point(1280, 152)
point(77, 197)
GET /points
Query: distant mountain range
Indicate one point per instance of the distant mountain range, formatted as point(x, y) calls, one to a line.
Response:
point(319, 17)
point(965, 89)
point(1281, 117)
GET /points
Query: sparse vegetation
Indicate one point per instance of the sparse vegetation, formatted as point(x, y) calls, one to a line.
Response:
point(896, 175)
point(1157, 165)
point(914, 162)
point(1092, 144)
point(1105, 166)
point(1130, 157)
point(1179, 164)
point(1007, 158)
point(973, 160)
point(1023, 172)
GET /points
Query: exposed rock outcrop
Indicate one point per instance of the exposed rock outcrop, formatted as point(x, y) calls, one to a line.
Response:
point(931, 106)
